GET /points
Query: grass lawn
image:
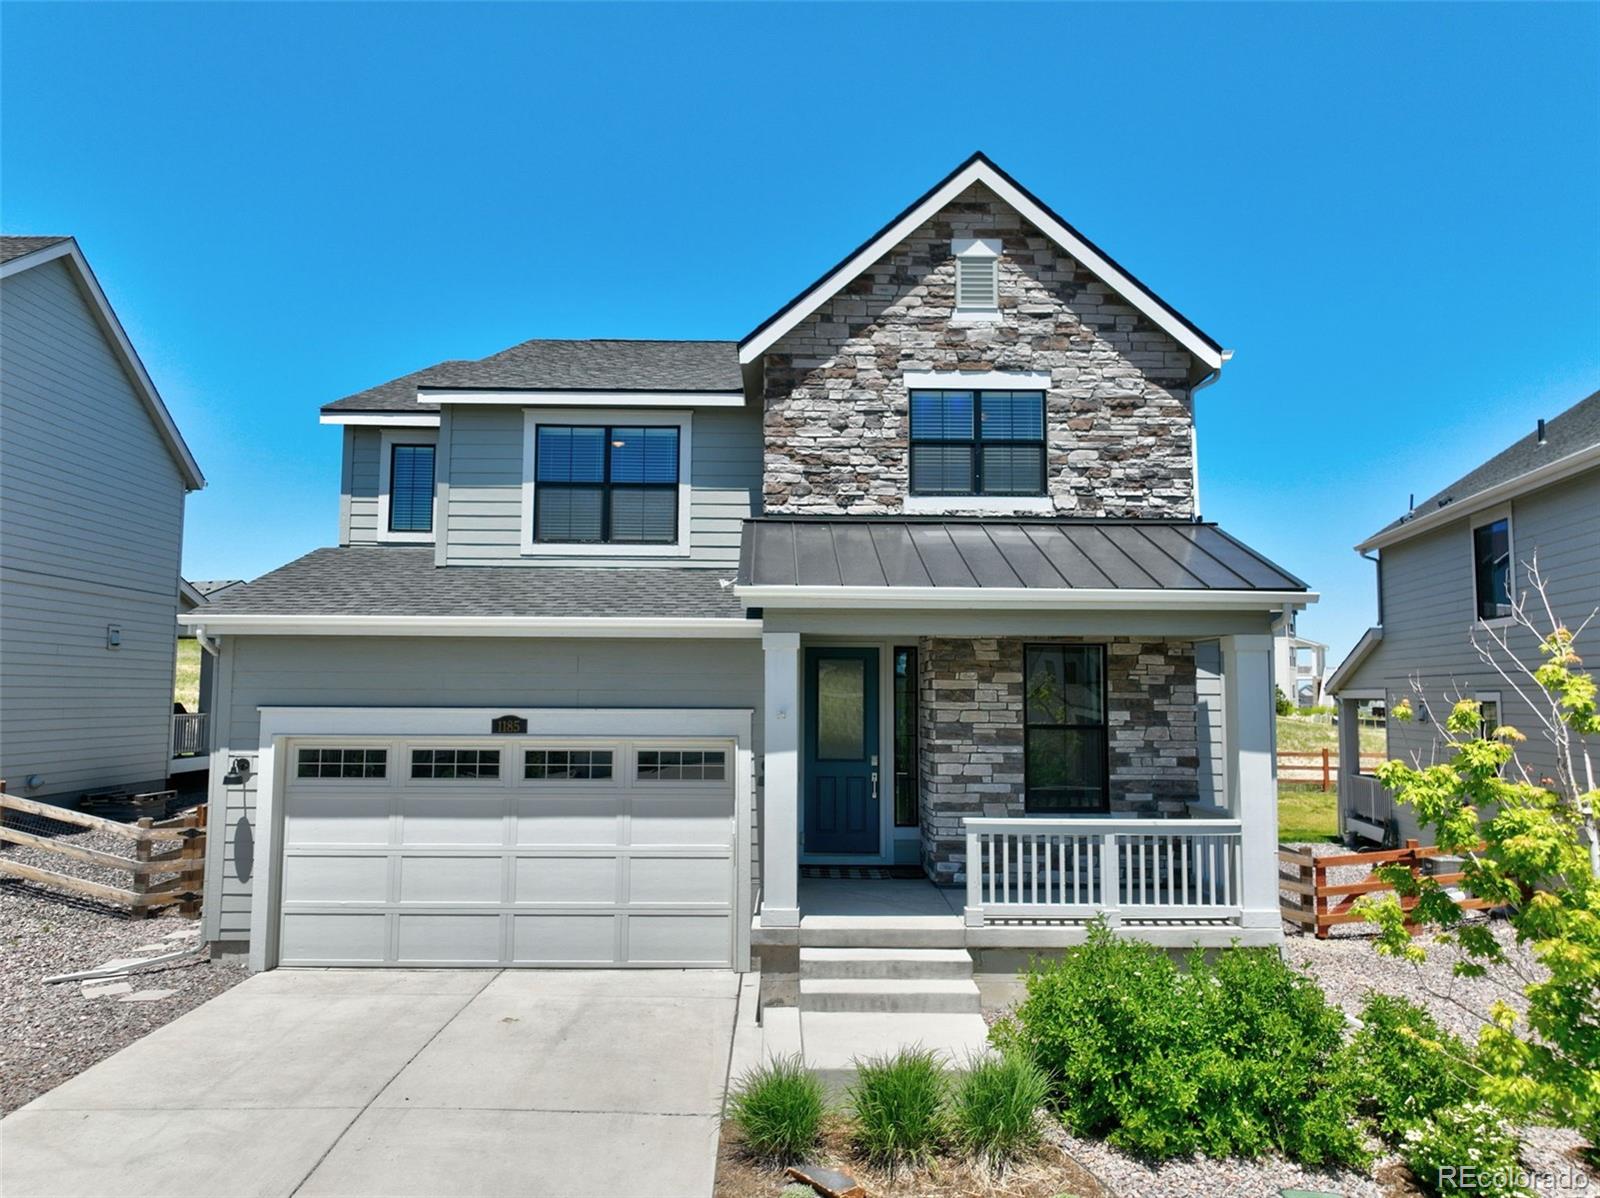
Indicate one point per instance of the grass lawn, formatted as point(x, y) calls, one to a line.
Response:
point(1298, 734)
point(186, 682)
point(1306, 813)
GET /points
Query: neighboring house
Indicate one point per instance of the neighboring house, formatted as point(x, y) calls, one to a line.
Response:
point(627, 645)
point(1300, 666)
point(1451, 568)
point(93, 474)
point(191, 730)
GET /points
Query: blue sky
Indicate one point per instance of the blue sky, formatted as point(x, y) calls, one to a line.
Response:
point(1390, 213)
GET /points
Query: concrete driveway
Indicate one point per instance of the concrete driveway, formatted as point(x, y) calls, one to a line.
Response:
point(395, 1083)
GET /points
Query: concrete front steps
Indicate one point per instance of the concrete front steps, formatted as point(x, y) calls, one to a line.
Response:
point(872, 1001)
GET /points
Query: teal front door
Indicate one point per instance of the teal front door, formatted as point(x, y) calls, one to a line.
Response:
point(841, 766)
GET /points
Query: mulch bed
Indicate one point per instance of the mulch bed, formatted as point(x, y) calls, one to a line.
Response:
point(1045, 1173)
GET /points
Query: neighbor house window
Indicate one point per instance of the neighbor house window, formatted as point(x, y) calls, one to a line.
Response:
point(411, 488)
point(341, 763)
point(1491, 568)
point(977, 443)
point(455, 763)
point(1065, 728)
point(560, 765)
point(681, 765)
point(613, 486)
point(905, 738)
point(1488, 713)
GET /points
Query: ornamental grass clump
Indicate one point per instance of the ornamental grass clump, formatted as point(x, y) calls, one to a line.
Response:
point(1236, 1057)
point(779, 1107)
point(899, 1105)
point(994, 1106)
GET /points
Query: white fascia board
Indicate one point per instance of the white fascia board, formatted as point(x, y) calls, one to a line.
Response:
point(608, 399)
point(1542, 476)
point(1346, 669)
point(1019, 598)
point(245, 624)
point(106, 317)
point(981, 172)
point(382, 419)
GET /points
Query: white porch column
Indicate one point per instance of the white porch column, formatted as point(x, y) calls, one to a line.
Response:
point(1249, 741)
point(780, 826)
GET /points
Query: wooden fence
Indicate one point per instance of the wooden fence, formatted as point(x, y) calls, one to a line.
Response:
point(1318, 766)
point(167, 861)
point(1317, 904)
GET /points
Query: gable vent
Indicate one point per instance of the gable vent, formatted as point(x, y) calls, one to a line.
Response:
point(977, 284)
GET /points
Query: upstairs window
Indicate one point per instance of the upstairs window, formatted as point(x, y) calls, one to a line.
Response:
point(1491, 568)
point(615, 485)
point(411, 488)
point(977, 443)
point(977, 278)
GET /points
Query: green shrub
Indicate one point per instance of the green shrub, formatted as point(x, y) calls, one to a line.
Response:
point(1465, 1149)
point(1236, 1058)
point(1280, 702)
point(779, 1107)
point(994, 1109)
point(899, 1104)
point(1405, 1066)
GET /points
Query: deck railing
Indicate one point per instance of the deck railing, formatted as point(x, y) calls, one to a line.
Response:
point(1076, 869)
point(189, 734)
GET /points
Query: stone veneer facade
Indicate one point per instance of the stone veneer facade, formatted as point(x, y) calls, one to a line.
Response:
point(970, 740)
point(1119, 425)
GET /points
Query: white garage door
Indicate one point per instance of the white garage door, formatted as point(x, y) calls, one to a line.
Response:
point(443, 851)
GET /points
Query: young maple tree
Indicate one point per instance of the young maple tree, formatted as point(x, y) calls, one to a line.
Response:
point(1530, 846)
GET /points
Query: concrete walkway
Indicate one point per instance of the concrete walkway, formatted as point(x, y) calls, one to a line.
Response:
point(399, 1083)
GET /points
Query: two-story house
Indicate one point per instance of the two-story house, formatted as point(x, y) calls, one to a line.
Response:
point(93, 478)
point(1449, 572)
point(662, 653)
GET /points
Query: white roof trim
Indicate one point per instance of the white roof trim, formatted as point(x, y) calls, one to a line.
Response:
point(246, 624)
point(610, 399)
point(1019, 598)
point(982, 172)
point(1369, 641)
point(383, 419)
point(121, 346)
point(1456, 509)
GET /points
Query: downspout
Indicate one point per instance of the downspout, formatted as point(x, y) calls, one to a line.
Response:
point(1194, 432)
point(1377, 561)
point(209, 644)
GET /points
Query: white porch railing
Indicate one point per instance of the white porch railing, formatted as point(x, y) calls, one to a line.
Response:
point(189, 734)
point(1074, 869)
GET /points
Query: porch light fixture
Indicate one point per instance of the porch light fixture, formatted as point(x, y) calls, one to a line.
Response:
point(237, 772)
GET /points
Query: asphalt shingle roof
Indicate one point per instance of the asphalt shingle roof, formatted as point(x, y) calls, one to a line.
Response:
point(401, 580)
point(18, 247)
point(545, 365)
point(1575, 429)
point(878, 551)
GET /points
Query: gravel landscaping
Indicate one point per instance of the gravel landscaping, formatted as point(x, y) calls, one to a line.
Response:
point(49, 1034)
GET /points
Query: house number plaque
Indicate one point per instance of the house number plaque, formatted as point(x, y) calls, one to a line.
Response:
point(509, 724)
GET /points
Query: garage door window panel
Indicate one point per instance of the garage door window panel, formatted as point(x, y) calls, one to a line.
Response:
point(455, 764)
point(567, 765)
point(682, 765)
point(342, 762)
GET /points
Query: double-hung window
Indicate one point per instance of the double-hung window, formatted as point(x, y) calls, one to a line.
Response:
point(410, 488)
point(607, 485)
point(977, 443)
point(1491, 568)
point(1064, 735)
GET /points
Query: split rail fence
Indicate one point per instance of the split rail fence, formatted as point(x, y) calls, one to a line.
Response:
point(1316, 904)
point(1318, 766)
point(165, 861)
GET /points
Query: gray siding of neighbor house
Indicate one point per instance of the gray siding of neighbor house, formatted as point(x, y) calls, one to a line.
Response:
point(443, 672)
point(483, 505)
point(1428, 606)
point(360, 509)
point(91, 534)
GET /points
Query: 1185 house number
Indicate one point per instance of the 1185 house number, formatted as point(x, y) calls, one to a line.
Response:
point(508, 724)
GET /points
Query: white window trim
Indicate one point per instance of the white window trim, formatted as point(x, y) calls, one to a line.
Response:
point(982, 380)
point(1476, 521)
point(389, 438)
point(984, 248)
point(987, 505)
point(531, 419)
point(978, 380)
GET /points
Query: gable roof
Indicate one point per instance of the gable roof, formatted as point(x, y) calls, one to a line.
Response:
point(1346, 669)
point(979, 169)
point(602, 365)
point(18, 254)
point(1571, 442)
